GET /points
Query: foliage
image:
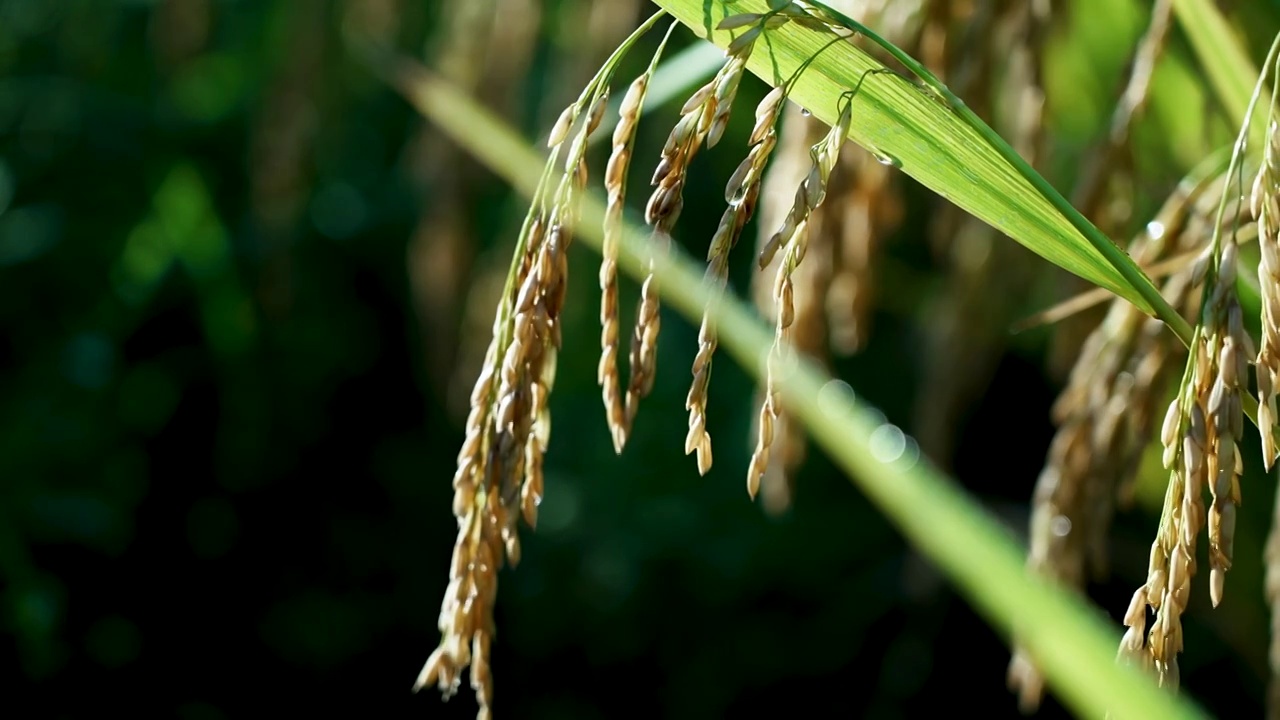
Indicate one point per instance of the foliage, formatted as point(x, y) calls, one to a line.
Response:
point(241, 289)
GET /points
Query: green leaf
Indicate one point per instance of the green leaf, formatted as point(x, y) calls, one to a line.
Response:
point(906, 124)
point(1071, 642)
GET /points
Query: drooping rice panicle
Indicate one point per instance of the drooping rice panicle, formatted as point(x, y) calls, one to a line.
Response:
point(790, 166)
point(706, 113)
point(791, 240)
point(1200, 435)
point(1265, 206)
point(711, 104)
point(619, 409)
point(833, 292)
point(1105, 415)
point(741, 193)
point(499, 475)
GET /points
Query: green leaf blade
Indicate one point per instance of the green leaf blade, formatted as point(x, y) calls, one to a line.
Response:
point(900, 120)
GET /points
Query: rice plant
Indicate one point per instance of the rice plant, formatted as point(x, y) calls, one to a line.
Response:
point(1170, 359)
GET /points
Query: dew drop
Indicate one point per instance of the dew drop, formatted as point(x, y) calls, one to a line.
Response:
point(1155, 229)
point(886, 159)
point(804, 112)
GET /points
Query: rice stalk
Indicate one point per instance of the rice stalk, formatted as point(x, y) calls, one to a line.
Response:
point(1200, 435)
point(620, 411)
point(833, 295)
point(1105, 415)
point(1265, 208)
point(499, 476)
point(703, 119)
point(791, 239)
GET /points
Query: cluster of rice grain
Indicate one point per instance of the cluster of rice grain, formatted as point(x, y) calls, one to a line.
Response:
point(1105, 414)
point(704, 118)
point(620, 411)
point(499, 476)
point(834, 294)
point(1265, 207)
point(791, 239)
point(1200, 436)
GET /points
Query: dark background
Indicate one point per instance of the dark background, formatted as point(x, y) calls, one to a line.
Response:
point(242, 289)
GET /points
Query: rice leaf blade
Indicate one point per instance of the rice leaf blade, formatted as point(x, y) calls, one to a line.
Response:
point(905, 124)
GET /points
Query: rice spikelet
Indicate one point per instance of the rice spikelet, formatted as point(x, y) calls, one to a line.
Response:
point(788, 169)
point(791, 239)
point(1106, 414)
point(620, 411)
point(499, 476)
point(703, 118)
point(1265, 206)
point(1199, 434)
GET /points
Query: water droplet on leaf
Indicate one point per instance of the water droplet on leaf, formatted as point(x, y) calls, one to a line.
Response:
point(886, 159)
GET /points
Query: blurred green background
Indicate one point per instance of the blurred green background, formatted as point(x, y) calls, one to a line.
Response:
point(243, 290)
